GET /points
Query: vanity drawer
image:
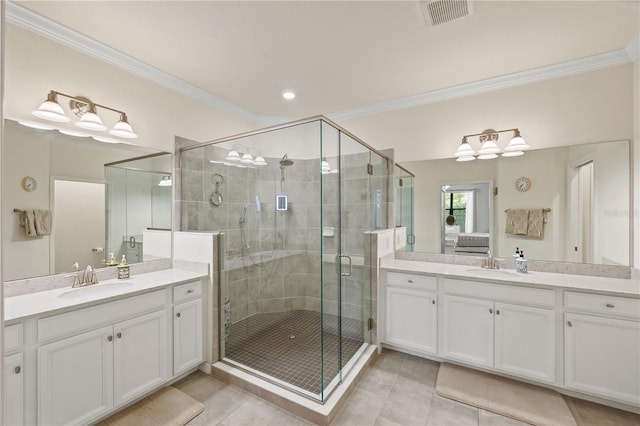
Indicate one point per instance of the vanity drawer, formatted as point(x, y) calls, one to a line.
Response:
point(517, 294)
point(418, 282)
point(13, 337)
point(187, 291)
point(602, 304)
point(80, 320)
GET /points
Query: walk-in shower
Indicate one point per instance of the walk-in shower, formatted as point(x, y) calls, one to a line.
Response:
point(295, 293)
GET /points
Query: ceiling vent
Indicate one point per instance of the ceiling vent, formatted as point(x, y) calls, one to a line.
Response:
point(436, 12)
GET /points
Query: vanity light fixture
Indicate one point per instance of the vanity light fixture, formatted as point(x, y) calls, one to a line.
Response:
point(489, 148)
point(87, 111)
point(289, 95)
point(243, 159)
point(165, 181)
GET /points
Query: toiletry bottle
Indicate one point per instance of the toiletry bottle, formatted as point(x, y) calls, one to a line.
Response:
point(123, 269)
point(516, 255)
point(112, 260)
point(521, 263)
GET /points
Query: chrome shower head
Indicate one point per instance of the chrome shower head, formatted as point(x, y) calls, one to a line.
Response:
point(285, 161)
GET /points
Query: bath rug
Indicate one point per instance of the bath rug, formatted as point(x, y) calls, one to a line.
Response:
point(521, 401)
point(167, 407)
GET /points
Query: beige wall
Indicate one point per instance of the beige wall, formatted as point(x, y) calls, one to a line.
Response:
point(590, 107)
point(35, 65)
point(636, 162)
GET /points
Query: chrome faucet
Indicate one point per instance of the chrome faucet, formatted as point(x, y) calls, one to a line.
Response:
point(489, 262)
point(85, 278)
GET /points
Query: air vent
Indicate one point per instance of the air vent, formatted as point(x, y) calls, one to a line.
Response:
point(442, 11)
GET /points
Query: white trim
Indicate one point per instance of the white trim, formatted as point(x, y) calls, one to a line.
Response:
point(25, 18)
point(564, 69)
point(45, 27)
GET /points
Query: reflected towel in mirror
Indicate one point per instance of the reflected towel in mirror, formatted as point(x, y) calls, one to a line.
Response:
point(36, 222)
point(517, 221)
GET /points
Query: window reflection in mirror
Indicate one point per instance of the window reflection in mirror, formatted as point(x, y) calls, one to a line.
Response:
point(603, 236)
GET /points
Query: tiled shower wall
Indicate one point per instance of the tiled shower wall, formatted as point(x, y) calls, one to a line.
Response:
point(286, 245)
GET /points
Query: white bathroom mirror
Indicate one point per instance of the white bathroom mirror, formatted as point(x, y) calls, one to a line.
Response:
point(592, 229)
point(71, 182)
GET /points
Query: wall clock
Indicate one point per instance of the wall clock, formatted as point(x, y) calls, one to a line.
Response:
point(29, 184)
point(523, 184)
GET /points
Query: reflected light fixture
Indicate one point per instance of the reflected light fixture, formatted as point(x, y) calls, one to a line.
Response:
point(165, 181)
point(289, 95)
point(243, 159)
point(489, 148)
point(87, 111)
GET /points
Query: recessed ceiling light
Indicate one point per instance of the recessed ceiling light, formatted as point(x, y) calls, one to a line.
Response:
point(288, 95)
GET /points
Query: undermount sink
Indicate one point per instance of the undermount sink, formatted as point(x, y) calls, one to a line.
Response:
point(95, 290)
point(492, 271)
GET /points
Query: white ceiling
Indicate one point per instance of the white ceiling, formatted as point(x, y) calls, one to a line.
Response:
point(342, 56)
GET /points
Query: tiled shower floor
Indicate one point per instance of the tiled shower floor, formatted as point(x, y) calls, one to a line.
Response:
point(287, 346)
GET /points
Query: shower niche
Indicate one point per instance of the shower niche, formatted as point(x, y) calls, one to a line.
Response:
point(299, 204)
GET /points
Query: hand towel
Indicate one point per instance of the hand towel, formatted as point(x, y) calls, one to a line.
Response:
point(42, 219)
point(27, 219)
point(517, 221)
point(536, 223)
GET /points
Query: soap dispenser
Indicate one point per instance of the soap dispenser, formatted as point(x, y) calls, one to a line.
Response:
point(521, 263)
point(112, 260)
point(123, 269)
point(516, 255)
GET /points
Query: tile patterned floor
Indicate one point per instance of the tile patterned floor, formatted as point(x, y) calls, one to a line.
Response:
point(287, 345)
point(397, 390)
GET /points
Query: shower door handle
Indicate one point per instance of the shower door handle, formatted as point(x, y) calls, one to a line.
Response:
point(346, 274)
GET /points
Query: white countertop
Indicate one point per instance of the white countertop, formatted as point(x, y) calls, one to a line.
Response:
point(623, 287)
point(45, 302)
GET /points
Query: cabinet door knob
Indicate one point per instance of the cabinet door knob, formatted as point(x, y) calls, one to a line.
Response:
point(17, 369)
point(178, 314)
point(610, 305)
point(490, 310)
point(110, 338)
point(410, 281)
point(190, 291)
point(497, 311)
point(569, 323)
point(119, 335)
point(433, 302)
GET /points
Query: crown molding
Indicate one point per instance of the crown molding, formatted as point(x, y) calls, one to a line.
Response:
point(564, 69)
point(31, 21)
point(45, 27)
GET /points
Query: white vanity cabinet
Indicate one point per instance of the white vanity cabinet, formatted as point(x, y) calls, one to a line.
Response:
point(502, 327)
point(100, 357)
point(602, 345)
point(188, 320)
point(412, 311)
point(14, 377)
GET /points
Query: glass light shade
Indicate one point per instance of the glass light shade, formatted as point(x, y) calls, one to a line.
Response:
point(246, 159)
point(105, 139)
point(464, 150)
point(165, 181)
point(52, 111)
point(233, 156)
point(259, 161)
point(325, 166)
point(517, 144)
point(466, 158)
point(488, 147)
point(91, 121)
point(36, 125)
point(512, 153)
point(487, 156)
point(123, 129)
point(75, 133)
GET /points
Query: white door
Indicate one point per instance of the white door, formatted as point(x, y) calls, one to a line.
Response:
point(525, 341)
point(13, 390)
point(141, 355)
point(601, 357)
point(187, 335)
point(468, 330)
point(412, 319)
point(78, 224)
point(75, 378)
